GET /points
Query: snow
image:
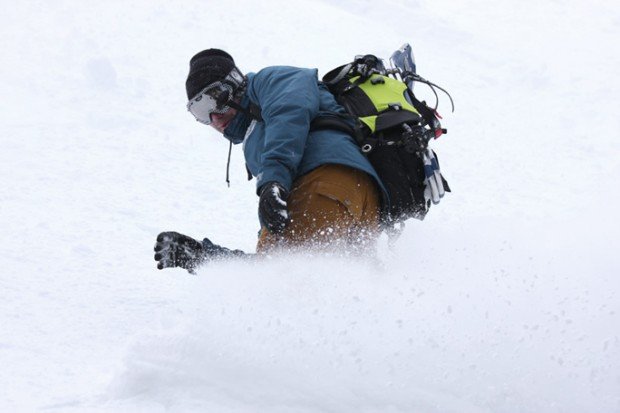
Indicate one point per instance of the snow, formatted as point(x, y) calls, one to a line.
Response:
point(505, 299)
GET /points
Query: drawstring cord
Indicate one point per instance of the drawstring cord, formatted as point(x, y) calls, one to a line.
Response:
point(228, 164)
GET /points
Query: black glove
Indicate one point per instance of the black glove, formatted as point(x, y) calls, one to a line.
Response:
point(272, 207)
point(177, 250)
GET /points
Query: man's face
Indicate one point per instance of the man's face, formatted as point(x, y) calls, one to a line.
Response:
point(220, 121)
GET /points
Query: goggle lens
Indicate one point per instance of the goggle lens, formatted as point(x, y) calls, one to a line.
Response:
point(212, 99)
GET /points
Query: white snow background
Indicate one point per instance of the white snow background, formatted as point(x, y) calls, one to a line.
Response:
point(505, 299)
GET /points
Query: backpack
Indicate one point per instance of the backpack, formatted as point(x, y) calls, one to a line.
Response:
point(393, 129)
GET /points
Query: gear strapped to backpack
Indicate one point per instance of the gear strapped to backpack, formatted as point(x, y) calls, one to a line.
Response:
point(393, 129)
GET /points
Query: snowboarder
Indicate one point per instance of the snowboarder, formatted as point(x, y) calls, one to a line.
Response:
point(315, 187)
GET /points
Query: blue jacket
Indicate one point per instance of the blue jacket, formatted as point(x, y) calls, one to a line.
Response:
point(281, 147)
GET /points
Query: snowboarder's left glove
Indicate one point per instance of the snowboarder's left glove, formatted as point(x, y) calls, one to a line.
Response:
point(272, 207)
point(177, 250)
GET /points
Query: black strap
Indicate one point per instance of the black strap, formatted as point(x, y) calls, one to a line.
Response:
point(252, 110)
point(255, 112)
point(332, 122)
point(427, 113)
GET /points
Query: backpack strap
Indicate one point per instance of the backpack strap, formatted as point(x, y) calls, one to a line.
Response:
point(336, 75)
point(332, 122)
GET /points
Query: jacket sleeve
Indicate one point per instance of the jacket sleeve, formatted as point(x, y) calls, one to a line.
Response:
point(289, 100)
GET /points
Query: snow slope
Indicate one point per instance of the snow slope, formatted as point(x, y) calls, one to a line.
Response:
point(505, 299)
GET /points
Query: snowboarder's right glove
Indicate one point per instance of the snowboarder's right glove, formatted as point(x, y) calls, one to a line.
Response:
point(177, 250)
point(272, 207)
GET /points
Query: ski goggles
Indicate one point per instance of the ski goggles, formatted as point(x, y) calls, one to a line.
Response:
point(215, 97)
point(212, 99)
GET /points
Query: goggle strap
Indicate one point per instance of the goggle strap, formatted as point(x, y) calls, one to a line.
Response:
point(252, 110)
point(235, 78)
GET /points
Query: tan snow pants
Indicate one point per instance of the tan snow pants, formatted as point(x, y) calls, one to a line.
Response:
point(331, 206)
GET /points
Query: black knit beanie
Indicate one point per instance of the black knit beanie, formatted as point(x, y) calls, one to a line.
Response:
point(205, 68)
